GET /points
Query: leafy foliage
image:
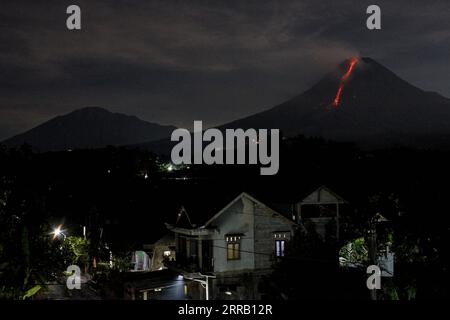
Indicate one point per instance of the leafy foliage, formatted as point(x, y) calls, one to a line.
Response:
point(354, 253)
point(75, 250)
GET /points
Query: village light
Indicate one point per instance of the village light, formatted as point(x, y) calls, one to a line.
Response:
point(57, 232)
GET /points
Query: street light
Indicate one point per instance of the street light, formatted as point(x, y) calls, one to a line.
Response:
point(57, 232)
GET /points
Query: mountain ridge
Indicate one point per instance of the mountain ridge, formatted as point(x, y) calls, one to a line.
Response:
point(89, 127)
point(375, 106)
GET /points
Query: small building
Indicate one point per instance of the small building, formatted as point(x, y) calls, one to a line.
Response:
point(322, 209)
point(152, 257)
point(161, 252)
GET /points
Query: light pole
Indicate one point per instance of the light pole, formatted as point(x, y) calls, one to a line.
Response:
point(204, 283)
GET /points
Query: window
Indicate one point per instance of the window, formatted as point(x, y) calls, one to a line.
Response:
point(233, 247)
point(280, 242)
point(233, 251)
point(279, 248)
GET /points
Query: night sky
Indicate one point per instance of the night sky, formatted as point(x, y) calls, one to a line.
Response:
point(173, 62)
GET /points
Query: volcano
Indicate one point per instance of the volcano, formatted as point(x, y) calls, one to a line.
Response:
point(360, 101)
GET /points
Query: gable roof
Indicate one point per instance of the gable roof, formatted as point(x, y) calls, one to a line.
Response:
point(198, 211)
point(240, 196)
point(322, 195)
point(193, 210)
point(183, 219)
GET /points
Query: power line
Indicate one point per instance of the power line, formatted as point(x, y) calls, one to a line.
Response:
point(271, 255)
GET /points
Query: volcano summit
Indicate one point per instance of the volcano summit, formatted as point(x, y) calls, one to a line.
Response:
point(361, 101)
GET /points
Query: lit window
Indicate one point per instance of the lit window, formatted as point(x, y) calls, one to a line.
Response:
point(233, 247)
point(279, 248)
point(280, 242)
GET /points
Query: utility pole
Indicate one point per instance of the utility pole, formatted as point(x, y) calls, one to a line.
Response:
point(373, 250)
point(373, 254)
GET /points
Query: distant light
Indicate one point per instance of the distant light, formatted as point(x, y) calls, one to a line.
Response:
point(169, 168)
point(180, 277)
point(228, 293)
point(110, 259)
point(158, 289)
point(146, 176)
point(167, 253)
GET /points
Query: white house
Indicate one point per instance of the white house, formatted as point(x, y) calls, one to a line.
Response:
point(238, 244)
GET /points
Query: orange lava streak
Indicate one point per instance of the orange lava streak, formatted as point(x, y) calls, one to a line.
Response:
point(344, 78)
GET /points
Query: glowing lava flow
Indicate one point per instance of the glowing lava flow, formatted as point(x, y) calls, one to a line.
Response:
point(344, 79)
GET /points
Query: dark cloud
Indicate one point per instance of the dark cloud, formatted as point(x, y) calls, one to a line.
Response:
point(176, 61)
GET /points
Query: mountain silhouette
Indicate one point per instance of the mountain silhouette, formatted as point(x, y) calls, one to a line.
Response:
point(90, 127)
point(362, 103)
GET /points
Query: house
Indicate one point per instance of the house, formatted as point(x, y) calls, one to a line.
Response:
point(161, 251)
point(237, 245)
point(322, 209)
point(151, 257)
